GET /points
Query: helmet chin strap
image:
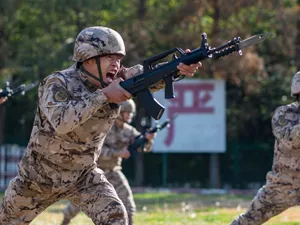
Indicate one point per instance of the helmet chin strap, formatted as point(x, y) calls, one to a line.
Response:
point(100, 78)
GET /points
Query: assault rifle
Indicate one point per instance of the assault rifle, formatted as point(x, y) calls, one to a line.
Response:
point(139, 85)
point(22, 89)
point(141, 140)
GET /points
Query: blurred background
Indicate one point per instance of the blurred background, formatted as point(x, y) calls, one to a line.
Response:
point(37, 37)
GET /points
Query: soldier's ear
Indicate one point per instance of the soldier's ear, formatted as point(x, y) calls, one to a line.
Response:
point(88, 62)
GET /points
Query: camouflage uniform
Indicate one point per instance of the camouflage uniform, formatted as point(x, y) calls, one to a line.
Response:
point(72, 119)
point(110, 162)
point(282, 189)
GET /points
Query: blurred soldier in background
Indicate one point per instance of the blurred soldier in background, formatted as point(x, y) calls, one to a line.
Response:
point(282, 189)
point(74, 114)
point(113, 151)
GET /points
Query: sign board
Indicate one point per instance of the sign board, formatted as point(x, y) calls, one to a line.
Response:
point(200, 124)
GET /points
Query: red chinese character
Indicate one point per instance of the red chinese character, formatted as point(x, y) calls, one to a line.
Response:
point(201, 95)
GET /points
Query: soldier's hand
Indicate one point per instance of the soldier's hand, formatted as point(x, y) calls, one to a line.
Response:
point(150, 136)
point(188, 70)
point(125, 154)
point(2, 99)
point(115, 93)
point(127, 73)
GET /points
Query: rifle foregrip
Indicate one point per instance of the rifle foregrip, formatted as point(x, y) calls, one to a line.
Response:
point(225, 52)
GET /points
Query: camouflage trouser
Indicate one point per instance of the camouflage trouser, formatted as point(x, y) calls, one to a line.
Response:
point(121, 185)
point(95, 196)
point(270, 200)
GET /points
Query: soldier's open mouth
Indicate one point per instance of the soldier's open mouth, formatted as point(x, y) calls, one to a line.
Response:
point(110, 77)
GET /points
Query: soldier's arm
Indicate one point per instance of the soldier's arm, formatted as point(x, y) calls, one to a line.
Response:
point(109, 152)
point(63, 112)
point(283, 128)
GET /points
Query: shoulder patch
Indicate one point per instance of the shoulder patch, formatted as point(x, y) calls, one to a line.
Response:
point(61, 95)
point(282, 121)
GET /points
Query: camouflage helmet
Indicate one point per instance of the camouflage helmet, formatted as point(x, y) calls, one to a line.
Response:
point(96, 41)
point(128, 106)
point(295, 88)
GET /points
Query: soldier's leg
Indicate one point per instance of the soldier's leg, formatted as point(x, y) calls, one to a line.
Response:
point(69, 212)
point(121, 185)
point(22, 203)
point(97, 198)
point(270, 200)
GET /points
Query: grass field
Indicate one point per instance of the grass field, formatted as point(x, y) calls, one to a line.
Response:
point(178, 209)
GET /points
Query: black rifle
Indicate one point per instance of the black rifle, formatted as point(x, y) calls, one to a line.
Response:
point(141, 140)
point(139, 85)
point(8, 92)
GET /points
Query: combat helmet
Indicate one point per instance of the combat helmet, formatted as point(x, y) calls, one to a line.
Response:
point(94, 42)
point(97, 41)
point(295, 87)
point(128, 106)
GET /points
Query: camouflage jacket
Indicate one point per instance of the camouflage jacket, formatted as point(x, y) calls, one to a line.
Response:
point(116, 140)
point(72, 120)
point(286, 129)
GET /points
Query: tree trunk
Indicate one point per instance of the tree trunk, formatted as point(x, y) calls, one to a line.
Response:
point(139, 160)
point(214, 173)
point(2, 116)
point(142, 9)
